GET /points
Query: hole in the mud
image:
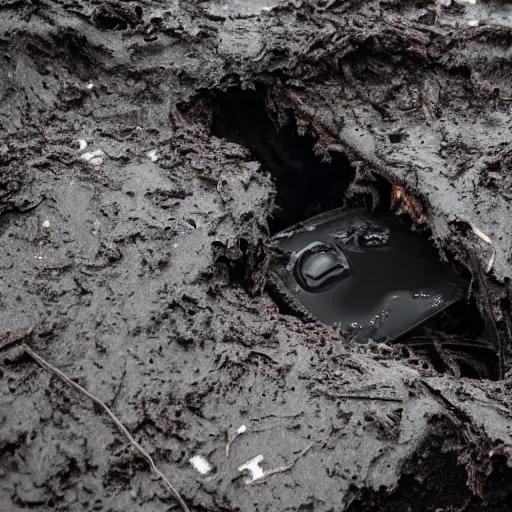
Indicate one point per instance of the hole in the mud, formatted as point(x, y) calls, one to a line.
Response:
point(431, 479)
point(429, 307)
point(306, 183)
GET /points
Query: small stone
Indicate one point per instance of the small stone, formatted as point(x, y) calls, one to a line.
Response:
point(200, 464)
point(152, 155)
point(93, 157)
point(97, 160)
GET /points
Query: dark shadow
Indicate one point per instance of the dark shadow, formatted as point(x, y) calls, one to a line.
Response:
point(305, 183)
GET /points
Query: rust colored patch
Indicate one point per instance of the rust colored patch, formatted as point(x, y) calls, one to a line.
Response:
point(402, 200)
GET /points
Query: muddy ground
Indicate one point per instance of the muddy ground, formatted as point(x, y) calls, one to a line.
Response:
point(140, 271)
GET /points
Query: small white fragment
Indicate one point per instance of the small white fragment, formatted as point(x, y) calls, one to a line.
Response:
point(473, 23)
point(46, 224)
point(38, 257)
point(200, 464)
point(83, 144)
point(480, 234)
point(254, 469)
point(175, 245)
point(91, 154)
point(93, 157)
point(152, 155)
point(470, 2)
point(445, 3)
point(97, 160)
point(89, 86)
point(241, 429)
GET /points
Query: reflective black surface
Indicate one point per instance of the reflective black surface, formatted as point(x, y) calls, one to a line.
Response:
point(369, 273)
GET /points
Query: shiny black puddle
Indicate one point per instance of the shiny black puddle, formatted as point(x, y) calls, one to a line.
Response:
point(369, 274)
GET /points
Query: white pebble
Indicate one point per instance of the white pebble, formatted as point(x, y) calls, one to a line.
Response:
point(46, 224)
point(89, 86)
point(97, 160)
point(200, 464)
point(93, 157)
point(83, 144)
point(473, 23)
point(241, 429)
point(152, 155)
point(470, 2)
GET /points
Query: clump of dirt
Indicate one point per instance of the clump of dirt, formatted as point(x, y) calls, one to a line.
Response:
point(136, 248)
point(424, 481)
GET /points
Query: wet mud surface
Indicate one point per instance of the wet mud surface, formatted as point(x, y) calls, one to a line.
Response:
point(136, 261)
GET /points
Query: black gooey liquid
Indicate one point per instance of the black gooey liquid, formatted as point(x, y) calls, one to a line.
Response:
point(369, 273)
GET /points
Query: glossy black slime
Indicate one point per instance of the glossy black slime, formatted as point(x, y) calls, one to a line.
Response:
point(369, 273)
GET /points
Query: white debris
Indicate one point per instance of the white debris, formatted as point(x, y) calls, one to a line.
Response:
point(470, 2)
point(93, 157)
point(241, 429)
point(46, 224)
point(445, 3)
point(83, 144)
point(254, 469)
point(480, 234)
point(89, 86)
point(473, 23)
point(200, 464)
point(152, 155)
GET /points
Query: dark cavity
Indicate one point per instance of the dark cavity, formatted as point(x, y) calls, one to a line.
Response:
point(364, 271)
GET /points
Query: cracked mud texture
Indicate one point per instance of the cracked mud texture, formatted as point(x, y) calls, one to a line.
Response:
point(130, 272)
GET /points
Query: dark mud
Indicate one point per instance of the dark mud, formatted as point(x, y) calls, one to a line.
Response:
point(143, 276)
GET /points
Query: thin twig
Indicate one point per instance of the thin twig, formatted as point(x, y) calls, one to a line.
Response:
point(11, 338)
point(239, 432)
point(480, 234)
point(47, 366)
point(367, 397)
point(281, 469)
